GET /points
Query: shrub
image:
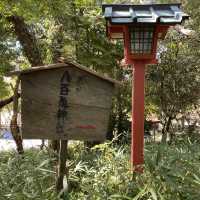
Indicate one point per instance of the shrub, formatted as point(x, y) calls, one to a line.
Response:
point(170, 172)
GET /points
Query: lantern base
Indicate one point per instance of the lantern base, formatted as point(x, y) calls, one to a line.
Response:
point(134, 62)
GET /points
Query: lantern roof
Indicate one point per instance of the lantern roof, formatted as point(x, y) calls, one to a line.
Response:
point(148, 13)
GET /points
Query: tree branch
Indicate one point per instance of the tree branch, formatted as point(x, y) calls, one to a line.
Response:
point(5, 102)
point(27, 39)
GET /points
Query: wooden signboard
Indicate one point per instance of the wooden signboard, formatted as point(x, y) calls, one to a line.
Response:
point(65, 101)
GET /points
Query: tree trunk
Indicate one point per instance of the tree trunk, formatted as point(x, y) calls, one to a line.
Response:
point(30, 48)
point(54, 144)
point(62, 169)
point(42, 144)
point(57, 44)
point(111, 126)
point(165, 130)
point(13, 125)
point(56, 48)
point(27, 39)
point(182, 123)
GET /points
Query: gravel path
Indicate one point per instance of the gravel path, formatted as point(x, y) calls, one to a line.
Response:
point(9, 144)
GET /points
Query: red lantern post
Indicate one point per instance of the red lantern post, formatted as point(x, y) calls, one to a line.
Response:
point(140, 26)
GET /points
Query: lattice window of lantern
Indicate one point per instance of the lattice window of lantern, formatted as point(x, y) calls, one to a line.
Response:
point(141, 40)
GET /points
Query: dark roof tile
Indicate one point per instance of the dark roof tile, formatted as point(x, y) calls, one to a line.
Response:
point(151, 13)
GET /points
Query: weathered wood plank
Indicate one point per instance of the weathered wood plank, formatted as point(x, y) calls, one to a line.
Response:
point(82, 123)
point(86, 105)
point(84, 89)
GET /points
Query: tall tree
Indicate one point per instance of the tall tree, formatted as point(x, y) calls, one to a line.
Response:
point(174, 83)
point(27, 39)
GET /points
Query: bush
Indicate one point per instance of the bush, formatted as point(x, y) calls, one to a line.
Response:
point(30, 176)
point(171, 172)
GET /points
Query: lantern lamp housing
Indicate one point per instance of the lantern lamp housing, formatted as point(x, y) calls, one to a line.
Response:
point(141, 39)
point(141, 26)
